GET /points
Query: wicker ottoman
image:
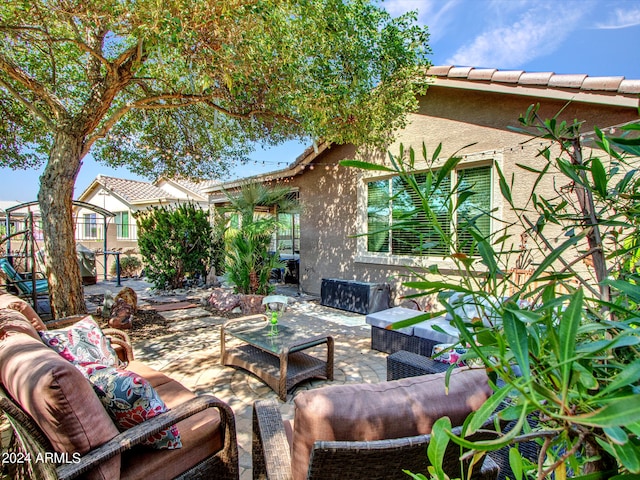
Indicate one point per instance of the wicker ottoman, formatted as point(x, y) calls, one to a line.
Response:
point(405, 364)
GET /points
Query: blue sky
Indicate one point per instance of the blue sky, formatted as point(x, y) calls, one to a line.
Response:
point(595, 37)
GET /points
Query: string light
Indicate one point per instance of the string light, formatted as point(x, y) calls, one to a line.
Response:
point(167, 154)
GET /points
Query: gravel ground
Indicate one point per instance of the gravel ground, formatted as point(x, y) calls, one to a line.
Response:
point(148, 323)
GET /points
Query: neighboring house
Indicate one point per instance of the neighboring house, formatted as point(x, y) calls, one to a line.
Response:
point(463, 106)
point(124, 198)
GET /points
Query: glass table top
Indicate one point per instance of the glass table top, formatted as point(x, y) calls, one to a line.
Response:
point(288, 336)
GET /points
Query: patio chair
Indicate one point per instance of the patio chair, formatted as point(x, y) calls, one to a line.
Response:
point(276, 303)
point(23, 286)
point(371, 431)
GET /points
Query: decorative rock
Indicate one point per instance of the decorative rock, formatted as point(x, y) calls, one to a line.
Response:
point(224, 300)
point(121, 315)
point(129, 296)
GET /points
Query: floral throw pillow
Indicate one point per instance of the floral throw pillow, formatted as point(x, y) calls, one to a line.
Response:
point(130, 399)
point(446, 353)
point(81, 343)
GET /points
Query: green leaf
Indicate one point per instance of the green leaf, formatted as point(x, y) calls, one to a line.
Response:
point(569, 324)
point(619, 412)
point(446, 169)
point(496, 443)
point(616, 434)
point(628, 288)
point(413, 320)
point(627, 376)
point(504, 186)
point(552, 257)
point(487, 409)
point(515, 462)
point(438, 444)
point(599, 176)
point(517, 338)
point(628, 455)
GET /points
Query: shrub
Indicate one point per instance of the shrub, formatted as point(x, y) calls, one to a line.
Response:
point(174, 243)
point(129, 266)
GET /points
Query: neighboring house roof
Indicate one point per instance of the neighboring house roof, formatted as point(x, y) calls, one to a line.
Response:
point(614, 91)
point(4, 204)
point(192, 187)
point(130, 191)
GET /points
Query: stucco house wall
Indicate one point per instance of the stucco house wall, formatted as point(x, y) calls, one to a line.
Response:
point(456, 114)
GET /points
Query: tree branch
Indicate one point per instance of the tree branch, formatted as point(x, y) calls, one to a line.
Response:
point(29, 105)
point(565, 264)
point(32, 85)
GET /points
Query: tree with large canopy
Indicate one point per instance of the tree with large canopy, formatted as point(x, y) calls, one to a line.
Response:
point(185, 87)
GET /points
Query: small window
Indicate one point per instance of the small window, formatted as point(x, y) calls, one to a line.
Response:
point(122, 225)
point(90, 225)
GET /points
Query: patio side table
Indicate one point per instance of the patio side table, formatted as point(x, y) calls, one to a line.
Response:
point(278, 360)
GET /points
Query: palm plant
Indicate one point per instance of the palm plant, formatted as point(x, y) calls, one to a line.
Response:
point(249, 261)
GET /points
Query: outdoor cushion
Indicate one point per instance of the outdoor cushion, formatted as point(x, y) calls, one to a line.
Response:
point(400, 408)
point(473, 308)
point(130, 400)
point(201, 434)
point(58, 398)
point(13, 322)
point(11, 301)
point(425, 330)
point(384, 318)
point(81, 343)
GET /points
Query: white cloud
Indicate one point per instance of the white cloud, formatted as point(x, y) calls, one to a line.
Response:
point(621, 18)
point(536, 31)
point(437, 14)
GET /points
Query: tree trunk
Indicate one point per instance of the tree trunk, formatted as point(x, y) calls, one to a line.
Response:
point(56, 203)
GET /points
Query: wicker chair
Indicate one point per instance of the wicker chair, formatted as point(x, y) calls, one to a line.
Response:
point(31, 445)
point(348, 413)
point(405, 364)
point(347, 460)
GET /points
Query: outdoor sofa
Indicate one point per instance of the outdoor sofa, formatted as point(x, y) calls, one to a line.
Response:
point(372, 431)
point(62, 430)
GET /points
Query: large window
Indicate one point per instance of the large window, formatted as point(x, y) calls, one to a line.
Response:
point(397, 223)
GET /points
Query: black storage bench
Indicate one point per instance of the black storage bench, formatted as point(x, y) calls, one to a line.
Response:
point(354, 296)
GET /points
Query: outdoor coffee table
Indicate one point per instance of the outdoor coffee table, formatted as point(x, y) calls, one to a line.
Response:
point(279, 360)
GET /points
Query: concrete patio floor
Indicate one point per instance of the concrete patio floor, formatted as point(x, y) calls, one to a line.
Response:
point(190, 353)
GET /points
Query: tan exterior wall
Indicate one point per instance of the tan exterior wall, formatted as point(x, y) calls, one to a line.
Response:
point(334, 198)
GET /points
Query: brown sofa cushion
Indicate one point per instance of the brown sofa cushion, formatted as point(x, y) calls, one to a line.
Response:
point(201, 434)
point(400, 408)
point(11, 301)
point(58, 397)
point(13, 322)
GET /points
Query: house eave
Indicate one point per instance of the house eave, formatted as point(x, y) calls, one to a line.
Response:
point(295, 168)
point(598, 98)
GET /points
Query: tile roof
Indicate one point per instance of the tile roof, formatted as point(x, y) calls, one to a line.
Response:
point(613, 84)
point(132, 190)
point(196, 187)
